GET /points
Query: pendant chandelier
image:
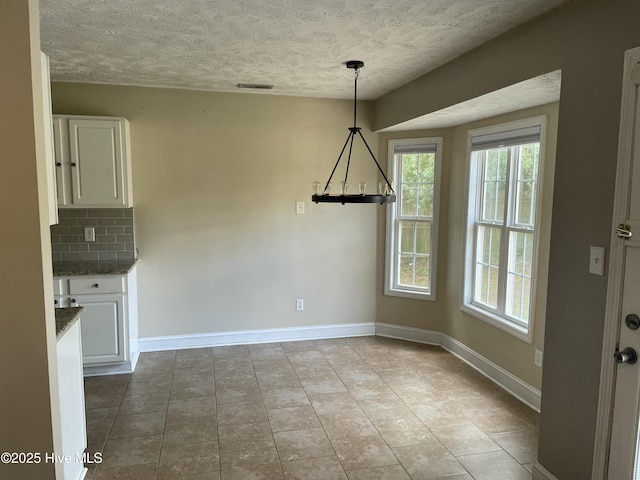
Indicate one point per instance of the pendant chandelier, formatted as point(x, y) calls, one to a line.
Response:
point(322, 194)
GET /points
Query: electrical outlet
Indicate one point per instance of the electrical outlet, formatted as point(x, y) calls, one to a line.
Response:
point(89, 234)
point(299, 304)
point(537, 358)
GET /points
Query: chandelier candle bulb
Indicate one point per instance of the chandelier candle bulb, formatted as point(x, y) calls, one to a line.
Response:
point(317, 188)
point(343, 188)
point(362, 187)
point(327, 190)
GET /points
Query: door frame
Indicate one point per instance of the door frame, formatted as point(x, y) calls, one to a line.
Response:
point(616, 267)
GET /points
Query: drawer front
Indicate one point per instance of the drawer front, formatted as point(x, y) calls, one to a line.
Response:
point(89, 285)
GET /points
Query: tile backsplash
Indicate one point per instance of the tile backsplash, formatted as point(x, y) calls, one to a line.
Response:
point(113, 233)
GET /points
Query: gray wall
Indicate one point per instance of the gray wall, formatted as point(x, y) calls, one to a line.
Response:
point(587, 40)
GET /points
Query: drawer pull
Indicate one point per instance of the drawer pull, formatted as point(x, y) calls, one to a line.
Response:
point(96, 285)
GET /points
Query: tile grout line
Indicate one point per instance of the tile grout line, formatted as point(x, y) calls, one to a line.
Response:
point(363, 354)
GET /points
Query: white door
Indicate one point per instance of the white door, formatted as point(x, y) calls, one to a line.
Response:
point(624, 291)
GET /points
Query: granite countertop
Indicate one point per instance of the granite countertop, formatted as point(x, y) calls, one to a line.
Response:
point(95, 267)
point(65, 318)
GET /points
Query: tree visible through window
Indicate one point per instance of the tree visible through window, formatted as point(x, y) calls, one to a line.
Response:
point(503, 205)
point(412, 226)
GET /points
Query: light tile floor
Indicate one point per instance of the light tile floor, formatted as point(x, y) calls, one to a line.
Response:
point(364, 408)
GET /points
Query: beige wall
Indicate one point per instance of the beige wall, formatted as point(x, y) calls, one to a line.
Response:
point(215, 181)
point(587, 41)
point(444, 314)
point(504, 349)
point(423, 314)
point(27, 343)
point(217, 255)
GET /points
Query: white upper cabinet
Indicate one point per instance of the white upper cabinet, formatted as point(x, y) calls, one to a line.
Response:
point(48, 140)
point(63, 172)
point(93, 161)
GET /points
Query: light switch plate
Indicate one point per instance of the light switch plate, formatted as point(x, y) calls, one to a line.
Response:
point(299, 208)
point(537, 358)
point(596, 260)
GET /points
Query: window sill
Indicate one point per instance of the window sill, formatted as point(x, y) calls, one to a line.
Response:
point(499, 322)
point(396, 292)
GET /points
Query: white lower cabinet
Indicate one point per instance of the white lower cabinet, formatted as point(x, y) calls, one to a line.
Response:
point(72, 417)
point(103, 328)
point(109, 321)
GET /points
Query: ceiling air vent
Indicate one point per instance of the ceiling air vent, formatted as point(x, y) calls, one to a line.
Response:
point(255, 86)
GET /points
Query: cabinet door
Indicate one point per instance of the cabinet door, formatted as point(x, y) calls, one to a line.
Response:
point(72, 414)
point(103, 328)
point(97, 162)
point(61, 153)
point(48, 140)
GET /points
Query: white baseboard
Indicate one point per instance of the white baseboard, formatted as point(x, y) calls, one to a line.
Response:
point(115, 369)
point(516, 387)
point(512, 384)
point(411, 334)
point(541, 473)
point(178, 342)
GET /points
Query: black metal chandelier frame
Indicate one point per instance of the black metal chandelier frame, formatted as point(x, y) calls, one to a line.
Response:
point(386, 196)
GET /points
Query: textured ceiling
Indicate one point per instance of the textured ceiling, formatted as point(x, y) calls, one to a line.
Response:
point(529, 93)
point(297, 45)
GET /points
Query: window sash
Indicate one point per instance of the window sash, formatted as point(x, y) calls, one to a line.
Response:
point(418, 258)
point(412, 220)
point(419, 187)
point(501, 267)
point(494, 285)
point(412, 260)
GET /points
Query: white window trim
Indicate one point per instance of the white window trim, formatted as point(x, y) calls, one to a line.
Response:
point(466, 302)
point(390, 287)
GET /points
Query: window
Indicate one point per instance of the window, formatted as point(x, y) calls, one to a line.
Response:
point(412, 221)
point(502, 224)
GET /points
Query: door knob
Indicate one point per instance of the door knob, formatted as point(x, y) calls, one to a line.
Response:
point(628, 355)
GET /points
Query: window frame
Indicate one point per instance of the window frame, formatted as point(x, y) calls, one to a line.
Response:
point(519, 329)
point(391, 285)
